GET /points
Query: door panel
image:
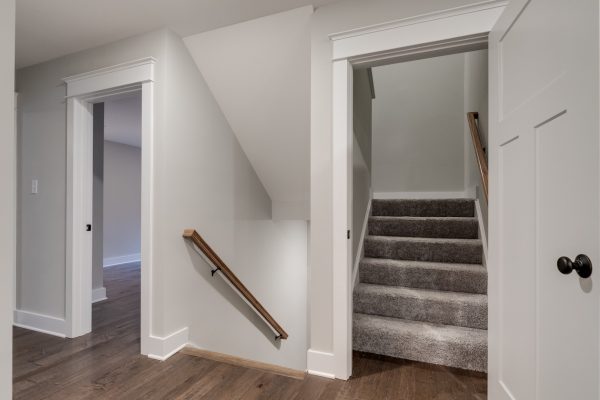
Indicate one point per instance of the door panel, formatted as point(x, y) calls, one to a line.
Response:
point(544, 201)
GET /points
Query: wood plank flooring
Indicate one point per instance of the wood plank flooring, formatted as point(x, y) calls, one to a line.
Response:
point(106, 364)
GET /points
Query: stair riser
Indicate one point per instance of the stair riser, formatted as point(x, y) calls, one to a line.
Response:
point(424, 228)
point(471, 356)
point(449, 252)
point(468, 315)
point(420, 278)
point(424, 208)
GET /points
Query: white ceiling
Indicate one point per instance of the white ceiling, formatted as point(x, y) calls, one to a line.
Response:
point(47, 29)
point(259, 73)
point(123, 120)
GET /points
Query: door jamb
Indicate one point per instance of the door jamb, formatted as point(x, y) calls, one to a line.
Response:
point(82, 91)
point(451, 31)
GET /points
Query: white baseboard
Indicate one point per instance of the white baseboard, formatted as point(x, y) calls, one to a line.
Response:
point(320, 364)
point(40, 323)
point(165, 347)
point(119, 260)
point(359, 251)
point(465, 194)
point(99, 294)
point(482, 234)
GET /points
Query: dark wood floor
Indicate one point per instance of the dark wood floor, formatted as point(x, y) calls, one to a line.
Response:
point(106, 364)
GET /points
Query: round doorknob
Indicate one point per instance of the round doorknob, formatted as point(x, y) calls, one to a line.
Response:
point(582, 264)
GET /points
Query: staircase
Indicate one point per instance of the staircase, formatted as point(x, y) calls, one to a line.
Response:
point(422, 293)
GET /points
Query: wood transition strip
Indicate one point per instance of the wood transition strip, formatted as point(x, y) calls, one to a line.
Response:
point(242, 362)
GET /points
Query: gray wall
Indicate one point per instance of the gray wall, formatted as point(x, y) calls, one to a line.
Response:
point(361, 155)
point(476, 99)
point(98, 208)
point(122, 200)
point(7, 203)
point(418, 126)
point(202, 180)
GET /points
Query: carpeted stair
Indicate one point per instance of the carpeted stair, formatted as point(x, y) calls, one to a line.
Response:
point(422, 291)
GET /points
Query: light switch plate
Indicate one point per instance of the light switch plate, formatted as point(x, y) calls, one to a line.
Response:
point(34, 186)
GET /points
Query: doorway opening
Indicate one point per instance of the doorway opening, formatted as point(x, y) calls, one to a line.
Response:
point(419, 276)
point(116, 221)
point(418, 38)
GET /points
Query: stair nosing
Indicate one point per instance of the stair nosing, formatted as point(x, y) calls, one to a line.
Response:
point(422, 264)
point(464, 329)
point(473, 298)
point(424, 239)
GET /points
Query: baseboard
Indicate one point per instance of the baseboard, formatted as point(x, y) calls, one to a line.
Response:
point(465, 194)
point(40, 323)
point(99, 294)
point(320, 364)
point(359, 251)
point(119, 260)
point(161, 348)
point(243, 362)
point(482, 234)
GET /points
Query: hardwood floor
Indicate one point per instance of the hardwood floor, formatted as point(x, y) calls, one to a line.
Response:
point(106, 364)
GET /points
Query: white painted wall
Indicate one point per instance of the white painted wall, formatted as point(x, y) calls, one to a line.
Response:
point(330, 19)
point(206, 182)
point(122, 201)
point(418, 126)
point(203, 180)
point(476, 99)
point(122, 121)
point(98, 206)
point(7, 201)
point(361, 174)
point(259, 73)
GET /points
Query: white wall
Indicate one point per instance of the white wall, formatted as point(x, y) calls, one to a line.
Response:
point(418, 126)
point(259, 73)
point(203, 180)
point(361, 175)
point(206, 182)
point(330, 19)
point(7, 202)
point(122, 202)
point(98, 206)
point(476, 99)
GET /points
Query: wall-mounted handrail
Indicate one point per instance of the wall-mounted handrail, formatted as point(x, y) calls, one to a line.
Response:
point(219, 265)
point(473, 119)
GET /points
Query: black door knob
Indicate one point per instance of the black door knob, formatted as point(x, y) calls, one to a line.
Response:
point(582, 264)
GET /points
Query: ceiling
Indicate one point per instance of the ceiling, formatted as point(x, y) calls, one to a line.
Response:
point(123, 120)
point(50, 29)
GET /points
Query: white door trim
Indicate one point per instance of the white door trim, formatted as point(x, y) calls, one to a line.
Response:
point(82, 91)
point(449, 31)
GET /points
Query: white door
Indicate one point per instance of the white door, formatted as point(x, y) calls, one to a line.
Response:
point(544, 201)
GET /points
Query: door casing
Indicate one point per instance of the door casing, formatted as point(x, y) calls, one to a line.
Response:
point(82, 91)
point(451, 31)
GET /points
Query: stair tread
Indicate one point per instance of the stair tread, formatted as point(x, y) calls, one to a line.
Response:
point(416, 218)
point(424, 294)
point(425, 207)
point(458, 267)
point(438, 331)
point(423, 240)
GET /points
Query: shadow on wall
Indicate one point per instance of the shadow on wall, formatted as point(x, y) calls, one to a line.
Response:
point(229, 294)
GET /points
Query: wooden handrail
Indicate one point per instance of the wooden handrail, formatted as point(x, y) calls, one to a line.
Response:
point(220, 265)
point(473, 118)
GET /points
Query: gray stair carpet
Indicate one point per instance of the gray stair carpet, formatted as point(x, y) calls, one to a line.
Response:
point(422, 292)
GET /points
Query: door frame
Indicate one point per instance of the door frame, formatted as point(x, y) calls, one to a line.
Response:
point(82, 91)
point(450, 31)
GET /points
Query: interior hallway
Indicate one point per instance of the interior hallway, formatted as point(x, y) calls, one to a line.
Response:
point(106, 364)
